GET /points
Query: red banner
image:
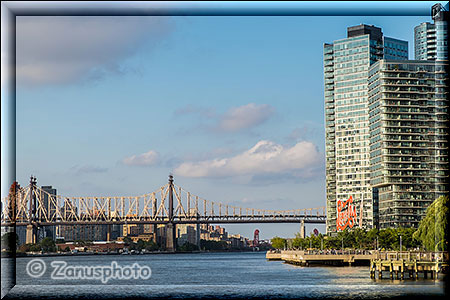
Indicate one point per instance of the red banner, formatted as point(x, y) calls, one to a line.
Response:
point(346, 214)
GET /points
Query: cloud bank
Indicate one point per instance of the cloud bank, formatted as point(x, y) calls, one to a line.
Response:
point(236, 119)
point(244, 117)
point(61, 50)
point(265, 157)
point(87, 169)
point(145, 159)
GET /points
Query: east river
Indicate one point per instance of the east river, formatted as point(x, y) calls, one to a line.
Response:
point(218, 275)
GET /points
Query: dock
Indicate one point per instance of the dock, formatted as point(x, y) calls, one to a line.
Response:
point(398, 264)
point(273, 255)
point(328, 257)
point(412, 264)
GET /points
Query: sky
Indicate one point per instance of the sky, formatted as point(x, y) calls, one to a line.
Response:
point(231, 106)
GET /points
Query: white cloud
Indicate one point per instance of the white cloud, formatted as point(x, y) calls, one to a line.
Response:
point(193, 109)
point(145, 159)
point(245, 116)
point(265, 157)
point(234, 120)
point(60, 50)
point(84, 169)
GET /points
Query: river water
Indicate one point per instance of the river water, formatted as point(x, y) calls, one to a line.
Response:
point(218, 275)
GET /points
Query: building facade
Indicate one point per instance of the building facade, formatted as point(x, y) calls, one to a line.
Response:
point(430, 39)
point(83, 232)
point(408, 139)
point(50, 207)
point(346, 67)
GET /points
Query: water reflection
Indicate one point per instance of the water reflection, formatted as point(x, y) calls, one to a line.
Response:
point(220, 275)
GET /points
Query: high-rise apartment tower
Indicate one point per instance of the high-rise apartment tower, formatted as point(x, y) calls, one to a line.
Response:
point(346, 69)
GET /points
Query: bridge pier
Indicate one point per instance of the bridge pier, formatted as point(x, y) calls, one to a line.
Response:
point(302, 229)
point(31, 234)
point(171, 239)
point(198, 236)
point(31, 237)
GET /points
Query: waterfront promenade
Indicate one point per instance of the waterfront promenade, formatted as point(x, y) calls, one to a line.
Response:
point(325, 257)
point(395, 263)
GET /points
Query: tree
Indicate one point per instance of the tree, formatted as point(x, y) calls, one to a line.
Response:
point(360, 238)
point(407, 239)
point(48, 245)
point(127, 240)
point(213, 245)
point(188, 247)
point(372, 236)
point(347, 237)
point(432, 228)
point(35, 248)
point(279, 243)
point(298, 242)
point(140, 245)
point(151, 246)
point(330, 242)
point(10, 240)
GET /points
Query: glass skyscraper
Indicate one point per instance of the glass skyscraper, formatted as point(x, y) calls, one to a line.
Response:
point(408, 118)
point(430, 39)
point(346, 67)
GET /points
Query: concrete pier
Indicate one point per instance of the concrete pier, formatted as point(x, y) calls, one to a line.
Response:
point(407, 264)
point(273, 255)
point(382, 264)
point(336, 258)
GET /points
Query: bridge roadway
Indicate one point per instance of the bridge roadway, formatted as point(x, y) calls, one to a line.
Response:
point(208, 220)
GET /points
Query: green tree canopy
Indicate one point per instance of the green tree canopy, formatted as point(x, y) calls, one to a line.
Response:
point(48, 245)
point(278, 243)
point(10, 240)
point(432, 228)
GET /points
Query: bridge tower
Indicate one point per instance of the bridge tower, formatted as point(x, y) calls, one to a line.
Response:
point(171, 239)
point(302, 229)
point(31, 227)
point(155, 226)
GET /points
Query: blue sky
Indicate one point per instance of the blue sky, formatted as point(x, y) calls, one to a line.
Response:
point(232, 106)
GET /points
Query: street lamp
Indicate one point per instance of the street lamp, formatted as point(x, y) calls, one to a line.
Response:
point(400, 243)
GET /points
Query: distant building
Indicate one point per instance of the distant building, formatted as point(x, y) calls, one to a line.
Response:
point(186, 233)
point(48, 198)
point(430, 39)
point(21, 232)
point(83, 232)
point(190, 233)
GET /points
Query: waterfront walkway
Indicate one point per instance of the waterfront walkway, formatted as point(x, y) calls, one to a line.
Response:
point(326, 257)
point(396, 263)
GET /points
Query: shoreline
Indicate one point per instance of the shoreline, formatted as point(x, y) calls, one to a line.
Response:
point(120, 254)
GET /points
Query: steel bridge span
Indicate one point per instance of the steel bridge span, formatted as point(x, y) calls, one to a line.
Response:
point(33, 207)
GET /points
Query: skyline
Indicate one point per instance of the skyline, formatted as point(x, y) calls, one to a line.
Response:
point(182, 70)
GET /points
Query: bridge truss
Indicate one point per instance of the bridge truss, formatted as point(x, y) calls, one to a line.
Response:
point(168, 204)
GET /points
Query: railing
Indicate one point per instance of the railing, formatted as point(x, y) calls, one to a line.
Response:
point(413, 255)
point(340, 252)
point(380, 255)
